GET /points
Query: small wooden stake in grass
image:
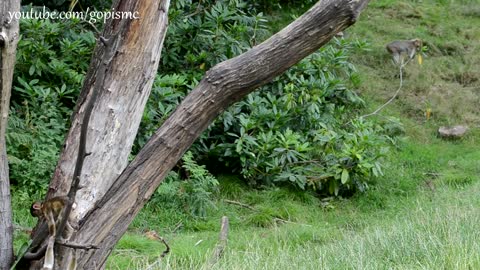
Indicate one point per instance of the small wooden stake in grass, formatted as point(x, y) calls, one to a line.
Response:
point(222, 242)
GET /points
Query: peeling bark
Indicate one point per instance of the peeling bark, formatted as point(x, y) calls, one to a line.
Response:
point(8, 45)
point(123, 69)
point(223, 85)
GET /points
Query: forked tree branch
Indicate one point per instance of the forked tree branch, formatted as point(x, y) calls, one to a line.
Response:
point(222, 85)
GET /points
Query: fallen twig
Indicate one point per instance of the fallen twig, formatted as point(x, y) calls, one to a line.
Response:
point(240, 204)
point(154, 236)
point(167, 248)
point(276, 219)
point(291, 222)
point(164, 253)
point(177, 227)
point(434, 174)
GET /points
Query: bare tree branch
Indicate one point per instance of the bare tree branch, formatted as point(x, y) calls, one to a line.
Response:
point(222, 85)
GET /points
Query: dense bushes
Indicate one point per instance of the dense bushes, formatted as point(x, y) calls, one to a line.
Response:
point(296, 128)
point(271, 5)
point(191, 186)
point(299, 130)
point(199, 36)
point(52, 59)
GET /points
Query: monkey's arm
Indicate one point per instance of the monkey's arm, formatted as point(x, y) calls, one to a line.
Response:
point(412, 53)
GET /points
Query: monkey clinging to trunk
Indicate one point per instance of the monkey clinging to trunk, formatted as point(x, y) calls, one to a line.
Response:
point(52, 210)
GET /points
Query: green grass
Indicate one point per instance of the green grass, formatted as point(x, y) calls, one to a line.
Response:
point(422, 214)
point(400, 223)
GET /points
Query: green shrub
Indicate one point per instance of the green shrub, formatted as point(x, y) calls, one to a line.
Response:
point(52, 59)
point(34, 137)
point(296, 130)
point(200, 35)
point(272, 5)
point(205, 33)
point(299, 128)
point(195, 193)
point(55, 56)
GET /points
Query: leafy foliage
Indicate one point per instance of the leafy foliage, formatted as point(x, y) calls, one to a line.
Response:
point(35, 134)
point(194, 193)
point(270, 5)
point(298, 129)
point(52, 59)
point(200, 35)
point(295, 130)
point(204, 33)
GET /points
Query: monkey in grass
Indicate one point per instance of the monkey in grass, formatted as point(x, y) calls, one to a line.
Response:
point(52, 210)
point(401, 48)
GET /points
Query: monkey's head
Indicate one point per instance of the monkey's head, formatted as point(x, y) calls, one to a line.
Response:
point(36, 209)
point(417, 42)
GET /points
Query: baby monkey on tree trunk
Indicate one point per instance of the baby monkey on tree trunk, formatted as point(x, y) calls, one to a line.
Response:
point(401, 48)
point(52, 210)
point(56, 211)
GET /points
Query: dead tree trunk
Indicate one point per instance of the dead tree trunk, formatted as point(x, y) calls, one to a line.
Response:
point(8, 45)
point(123, 68)
point(122, 71)
point(223, 85)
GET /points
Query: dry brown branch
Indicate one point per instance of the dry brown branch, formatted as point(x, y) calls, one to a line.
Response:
point(154, 235)
point(240, 204)
point(76, 246)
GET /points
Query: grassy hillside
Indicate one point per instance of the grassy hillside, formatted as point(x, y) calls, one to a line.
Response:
point(448, 82)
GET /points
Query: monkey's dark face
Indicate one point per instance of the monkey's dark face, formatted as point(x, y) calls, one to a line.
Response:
point(36, 209)
point(417, 43)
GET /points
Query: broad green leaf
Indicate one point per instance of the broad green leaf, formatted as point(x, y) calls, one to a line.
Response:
point(345, 176)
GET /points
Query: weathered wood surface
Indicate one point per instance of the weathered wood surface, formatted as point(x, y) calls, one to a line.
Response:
point(222, 85)
point(123, 69)
point(9, 35)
